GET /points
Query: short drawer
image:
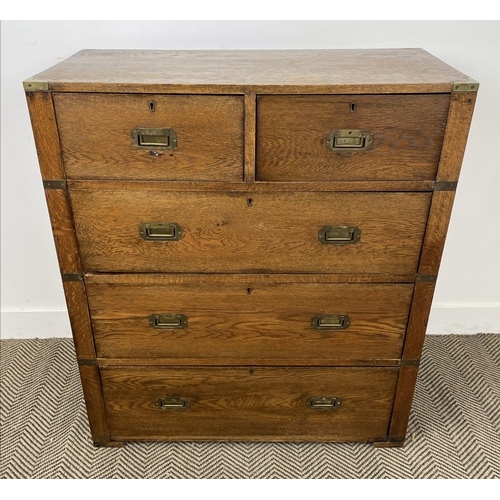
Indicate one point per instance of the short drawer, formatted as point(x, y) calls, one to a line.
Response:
point(350, 137)
point(260, 232)
point(320, 323)
point(288, 404)
point(151, 137)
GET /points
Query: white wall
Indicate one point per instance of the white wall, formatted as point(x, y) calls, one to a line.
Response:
point(467, 298)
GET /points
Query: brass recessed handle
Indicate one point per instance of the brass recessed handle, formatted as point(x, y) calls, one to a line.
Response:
point(172, 403)
point(349, 140)
point(160, 231)
point(324, 402)
point(330, 322)
point(153, 138)
point(167, 321)
point(339, 235)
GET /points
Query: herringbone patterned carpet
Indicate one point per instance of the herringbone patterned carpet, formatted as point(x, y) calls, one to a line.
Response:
point(454, 430)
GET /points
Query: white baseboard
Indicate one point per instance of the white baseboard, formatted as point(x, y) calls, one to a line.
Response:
point(34, 324)
point(467, 319)
point(444, 319)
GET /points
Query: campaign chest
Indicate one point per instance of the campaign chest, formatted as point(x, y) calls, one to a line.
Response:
point(249, 241)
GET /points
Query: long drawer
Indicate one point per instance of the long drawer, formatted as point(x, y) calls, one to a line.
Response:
point(138, 230)
point(271, 323)
point(151, 137)
point(350, 137)
point(316, 404)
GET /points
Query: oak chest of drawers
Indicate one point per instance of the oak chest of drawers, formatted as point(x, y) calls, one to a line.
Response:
point(249, 241)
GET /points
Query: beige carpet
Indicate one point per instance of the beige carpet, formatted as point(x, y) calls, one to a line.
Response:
point(454, 430)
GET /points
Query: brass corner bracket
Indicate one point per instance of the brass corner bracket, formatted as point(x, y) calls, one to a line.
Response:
point(410, 362)
point(445, 186)
point(55, 184)
point(72, 277)
point(32, 85)
point(425, 278)
point(87, 362)
point(470, 86)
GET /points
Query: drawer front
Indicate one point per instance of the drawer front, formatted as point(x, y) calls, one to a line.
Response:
point(321, 323)
point(292, 134)
point(96, 141)
point(249, 404)
point(275, 232)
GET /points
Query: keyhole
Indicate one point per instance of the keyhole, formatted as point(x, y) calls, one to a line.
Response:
point(249, 291)
point(353, 107)
point(249, 202)
point(151, 106)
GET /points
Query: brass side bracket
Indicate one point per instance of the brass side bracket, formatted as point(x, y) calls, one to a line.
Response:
point(470, 86)
point(72, 277)
point(410, 362)
point(445, 186)
point(425, 278)
point(32, 85)
point(54, 184)
point(87, 362)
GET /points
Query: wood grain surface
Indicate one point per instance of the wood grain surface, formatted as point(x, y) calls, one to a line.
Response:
point(255, 187)
point(417, 323)
point(96, 144)
point(245, 279)
point(63, 230)
point(292, 130)
point(276, 71)
point(250, 132)
point(248, 323)
point(78, 310)
point(402, 402)
point(94, 402)
point(457, 130)
point(435, 233)
point(277, 233)
point(44, 126)
point(249, 404)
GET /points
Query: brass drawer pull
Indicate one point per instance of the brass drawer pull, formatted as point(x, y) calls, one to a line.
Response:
point(354, 141)
point(160, 231)
point(167, 321)
point(330, 322)
point(172, 403)
point(339, 235)
point(323, 403)
point(153, 138)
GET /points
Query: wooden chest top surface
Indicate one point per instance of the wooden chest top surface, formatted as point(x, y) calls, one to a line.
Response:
point(275, 71)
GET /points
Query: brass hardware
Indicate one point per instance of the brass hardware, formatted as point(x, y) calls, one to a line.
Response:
point(330, 322)
point(54, 184)
point(324, 402)
point(72, 277)
point(167, 321)
point(339, 235)
point(410, 362)
point(32, 85)
point(160, 231)
point(353, 141)
point(470, 86)
point(153, 138)
point(445, 186)
point(151, 105)
point(425, 278)
point(172, 403)
point(87, 362)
